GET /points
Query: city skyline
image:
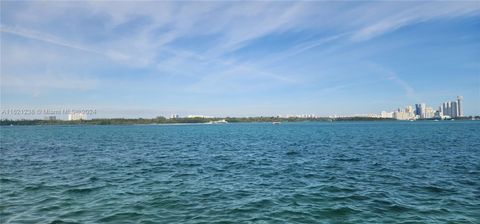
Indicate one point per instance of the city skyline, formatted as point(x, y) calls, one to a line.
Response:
point(238, 59)
point(446, 110)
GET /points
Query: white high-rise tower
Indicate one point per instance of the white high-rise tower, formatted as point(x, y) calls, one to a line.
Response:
point(459, 106)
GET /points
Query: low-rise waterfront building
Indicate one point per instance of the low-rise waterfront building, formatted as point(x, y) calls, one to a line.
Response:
point(197, 116)
point(385, 114)
point(76, 116)
point(50, 118)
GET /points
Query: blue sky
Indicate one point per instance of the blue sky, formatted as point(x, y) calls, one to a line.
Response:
point(128, 59)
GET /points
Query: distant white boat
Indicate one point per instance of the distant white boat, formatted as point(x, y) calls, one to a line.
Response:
point(276, 123)
point(223, 121)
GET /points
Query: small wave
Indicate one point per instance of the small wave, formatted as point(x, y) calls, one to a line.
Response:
point(335, 189)
point(74, 214)
point(292, 152)
point(81, 190)
point(435, 189)
point(57, 221)
point(34, 187)
point(118, 217)
point(399, 208)
point(261, 203)
point(348, 159)
point(50, 208)
point(183, 175)
point(288, 214)
point(341, 211)
point(354, 197)
point(310, 175)
point(437, 211)
point(5, 180)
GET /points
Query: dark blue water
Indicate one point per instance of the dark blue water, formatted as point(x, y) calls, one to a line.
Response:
point(363, 172)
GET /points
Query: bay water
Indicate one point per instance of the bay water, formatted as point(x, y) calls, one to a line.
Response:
point(308, 172)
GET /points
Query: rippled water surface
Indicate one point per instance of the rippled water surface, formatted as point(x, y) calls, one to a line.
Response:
point(351, 172)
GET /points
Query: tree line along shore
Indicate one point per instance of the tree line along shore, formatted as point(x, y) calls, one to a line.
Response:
point(196, 120)
point(163, 120)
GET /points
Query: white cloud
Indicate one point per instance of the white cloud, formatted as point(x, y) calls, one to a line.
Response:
point(45, 37)
point(412, 14)
point(51, 39)
point(271, 19)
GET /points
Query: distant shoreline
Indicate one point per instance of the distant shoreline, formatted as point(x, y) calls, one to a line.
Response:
point(180, 121)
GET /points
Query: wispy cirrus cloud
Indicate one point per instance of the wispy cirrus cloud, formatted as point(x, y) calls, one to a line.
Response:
point(388, 74)
point(52, 39)
point(414, 14)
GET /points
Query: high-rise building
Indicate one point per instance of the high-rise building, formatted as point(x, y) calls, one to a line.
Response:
point(400, 115)
point(424, 108)
point(409, 109)
point(418, 109)
point(444, 109)
point(454, 106)
point(429, 112)
point(449, 109)
point(459, 106)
